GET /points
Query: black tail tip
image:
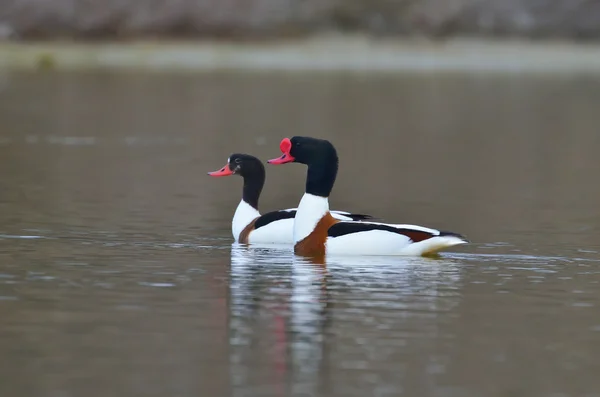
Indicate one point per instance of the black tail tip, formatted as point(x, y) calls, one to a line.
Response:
point(452, 234)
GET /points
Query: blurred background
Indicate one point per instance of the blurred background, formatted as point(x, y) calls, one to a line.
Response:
point(272, 19)
point(118, 276)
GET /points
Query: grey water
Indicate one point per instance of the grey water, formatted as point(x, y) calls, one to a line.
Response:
point(118, 276)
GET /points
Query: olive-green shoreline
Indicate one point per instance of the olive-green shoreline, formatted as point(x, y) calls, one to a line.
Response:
point(326, 54)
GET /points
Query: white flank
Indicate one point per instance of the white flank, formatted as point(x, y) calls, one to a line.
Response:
point(310, 211)
point(277, 232)
point(381, 242)
point(244, 214)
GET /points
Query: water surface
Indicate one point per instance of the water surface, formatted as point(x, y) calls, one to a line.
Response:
point(118, 276)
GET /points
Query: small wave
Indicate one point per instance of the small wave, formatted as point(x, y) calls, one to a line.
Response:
point(14, 236)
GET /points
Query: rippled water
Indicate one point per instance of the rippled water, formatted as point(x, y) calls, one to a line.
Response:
point(118, 276)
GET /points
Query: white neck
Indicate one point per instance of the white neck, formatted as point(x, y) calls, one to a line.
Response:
point(244, 214)
point(310, 211)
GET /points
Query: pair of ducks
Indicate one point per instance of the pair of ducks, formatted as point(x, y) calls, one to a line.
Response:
point(312, 228)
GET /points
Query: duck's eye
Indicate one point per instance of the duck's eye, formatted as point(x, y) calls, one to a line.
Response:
point(238, 161)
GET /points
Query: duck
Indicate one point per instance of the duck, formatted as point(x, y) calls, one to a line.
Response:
point(317, 233)
point(248, 225)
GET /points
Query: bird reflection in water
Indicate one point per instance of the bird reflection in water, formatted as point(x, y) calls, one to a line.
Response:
point(288, 314)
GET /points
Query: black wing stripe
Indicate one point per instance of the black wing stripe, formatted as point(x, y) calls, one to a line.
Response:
point(343, 228)
point(270, 217)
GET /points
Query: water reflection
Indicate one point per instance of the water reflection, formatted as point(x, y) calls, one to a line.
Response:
point(259, 311)
point(313, 310)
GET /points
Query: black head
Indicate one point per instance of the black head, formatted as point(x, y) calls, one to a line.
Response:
point(318, 154)
point(251, 169)
point(244, 165)
point(306, 150)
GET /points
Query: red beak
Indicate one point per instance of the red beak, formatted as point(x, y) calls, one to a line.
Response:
point(225, 171)
point(285, 146)
point(285, 158)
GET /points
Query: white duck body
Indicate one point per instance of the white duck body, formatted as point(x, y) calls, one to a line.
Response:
point(383, 239)
point(280, 226)
point(383, 242)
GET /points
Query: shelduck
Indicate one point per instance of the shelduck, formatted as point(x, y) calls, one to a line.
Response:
point(318, 233)
point(248, 225)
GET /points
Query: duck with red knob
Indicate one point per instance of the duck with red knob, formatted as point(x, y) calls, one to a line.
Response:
point(318, 233)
